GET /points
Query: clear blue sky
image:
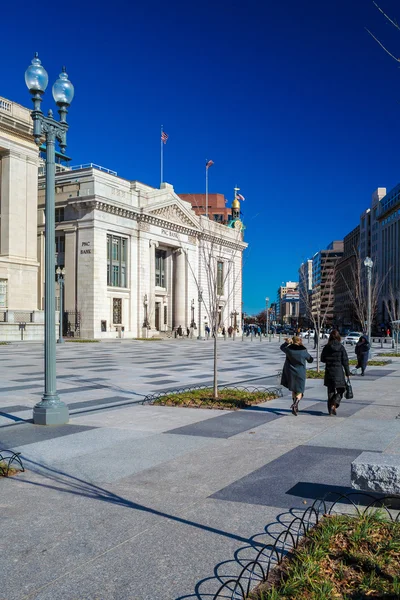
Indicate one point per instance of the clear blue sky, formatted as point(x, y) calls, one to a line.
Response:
point(293, 100)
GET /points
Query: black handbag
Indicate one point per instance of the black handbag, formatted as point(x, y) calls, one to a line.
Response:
point(349, 391)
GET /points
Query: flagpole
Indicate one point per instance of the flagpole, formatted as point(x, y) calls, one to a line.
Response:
point(206, 188)
point(161, 157)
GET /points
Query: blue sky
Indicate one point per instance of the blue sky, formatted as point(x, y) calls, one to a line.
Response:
point(294, 102)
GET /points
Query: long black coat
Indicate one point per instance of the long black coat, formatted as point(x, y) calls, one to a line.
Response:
point(294, 369)
point(336, 361)
point(362, 352)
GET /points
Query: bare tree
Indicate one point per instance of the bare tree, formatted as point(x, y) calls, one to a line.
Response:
point(392, 306)
point(319, 302)
point(392, 22)
point(357, 290)
point(221, 259)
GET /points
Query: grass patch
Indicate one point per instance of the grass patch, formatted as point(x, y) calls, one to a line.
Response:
point(372, 363)
point(391, 354)
point(343, 557)
point(10, 472)
point(313, 374)
point(4, 343)
point(228, 399)
point(79, 341)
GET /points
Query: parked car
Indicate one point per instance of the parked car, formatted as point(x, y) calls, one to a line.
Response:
point(310, 334)
point(352, 338)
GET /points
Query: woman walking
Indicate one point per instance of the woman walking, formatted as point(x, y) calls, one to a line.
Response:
point(362, 353)
point(294, 369)
point(336, 361)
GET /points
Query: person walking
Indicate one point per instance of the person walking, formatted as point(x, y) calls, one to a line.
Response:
point(315, 339)
point(294, 369)
point(336, 361)
point(362, 353)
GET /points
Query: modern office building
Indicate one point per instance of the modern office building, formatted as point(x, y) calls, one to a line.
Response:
point(305, 290)
point(387, 255)
point(287, 303)
point(324, 272)
point(348, 272)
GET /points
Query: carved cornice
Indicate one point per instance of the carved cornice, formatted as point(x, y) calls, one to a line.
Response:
point(146, 219)
point(15, 127)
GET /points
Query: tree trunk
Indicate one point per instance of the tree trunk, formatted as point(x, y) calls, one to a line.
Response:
point(215, 383)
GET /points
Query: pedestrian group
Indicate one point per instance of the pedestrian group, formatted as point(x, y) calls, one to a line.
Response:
point(337, 371)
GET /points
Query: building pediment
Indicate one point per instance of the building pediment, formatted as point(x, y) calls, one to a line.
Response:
point(174, 212)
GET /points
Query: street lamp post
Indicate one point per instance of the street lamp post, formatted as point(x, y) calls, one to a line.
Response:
point(50, 410)
point(60, 278)
point(200, 300)
point(267, 315)
point(369, 264)
point(192, 323)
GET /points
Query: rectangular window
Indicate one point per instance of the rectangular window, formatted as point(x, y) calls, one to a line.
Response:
point(160, 268)
point(117, 311)
point(60, 244)
point(220, 278)
point(116, 261)
point(3, 293)
point(59, 214)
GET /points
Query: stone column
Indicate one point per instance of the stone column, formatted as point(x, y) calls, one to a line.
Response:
point(180, 289)
point(151, 315)
point(70, 259)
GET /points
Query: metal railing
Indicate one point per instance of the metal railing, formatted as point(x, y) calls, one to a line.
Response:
point(93, 166)
point(6, 106)
point(268, 556)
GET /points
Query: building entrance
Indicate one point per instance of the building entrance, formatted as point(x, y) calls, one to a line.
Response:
point(158, 316)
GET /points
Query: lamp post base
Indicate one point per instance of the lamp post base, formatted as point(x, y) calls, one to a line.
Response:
point(50, 413)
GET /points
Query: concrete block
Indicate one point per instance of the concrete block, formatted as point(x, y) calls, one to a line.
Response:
point(375, 472)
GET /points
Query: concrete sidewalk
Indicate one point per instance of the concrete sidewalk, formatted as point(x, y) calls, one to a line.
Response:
point(160, 503)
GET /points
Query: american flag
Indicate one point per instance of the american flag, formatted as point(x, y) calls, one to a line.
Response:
point(240, 197)
point(164, 137)
point(209, 164)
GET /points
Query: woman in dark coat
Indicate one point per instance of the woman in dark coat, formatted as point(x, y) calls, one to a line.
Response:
point(362, 353)
point(336, 361)
point(294, 369)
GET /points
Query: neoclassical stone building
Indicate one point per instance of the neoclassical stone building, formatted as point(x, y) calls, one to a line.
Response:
point(138, 259)
point(19, 158)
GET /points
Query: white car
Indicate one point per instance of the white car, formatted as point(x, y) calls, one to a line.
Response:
point(322, 336)
point(352, 338)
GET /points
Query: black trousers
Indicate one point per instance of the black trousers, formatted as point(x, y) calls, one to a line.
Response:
point(335, 395)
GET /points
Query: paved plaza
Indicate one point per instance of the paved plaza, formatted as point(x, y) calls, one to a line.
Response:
point(138, 502)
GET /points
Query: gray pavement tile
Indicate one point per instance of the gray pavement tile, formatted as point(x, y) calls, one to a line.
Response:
point(130, 456)
point(14, 408)
point(104, 370)
point(78, 389)
point(367, 434)
point(227, 425)
point(168, 381)
point(97, 402)
point(274, 484)
point(155, 376)
point(16, 388)
point(347, 408)
point(169, 560)
point(394, 446)
point(27, 433)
